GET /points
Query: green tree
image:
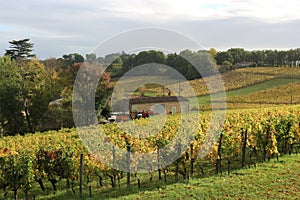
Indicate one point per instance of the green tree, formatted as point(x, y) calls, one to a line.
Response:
point(72, 58)
point(224, 56)
point(103, 95)
point(37, 91)
point(25, 93)
point(12, 118)
point(20, 49)
point(128, 63)
point(178, 63)
point(146, 57)
point(53, 63)
point(90, 57)
point(238, 55)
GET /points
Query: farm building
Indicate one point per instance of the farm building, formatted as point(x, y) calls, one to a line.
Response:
point(159, 105)
point(146, 106)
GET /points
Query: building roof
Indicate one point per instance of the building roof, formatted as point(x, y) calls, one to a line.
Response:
point(161, 99)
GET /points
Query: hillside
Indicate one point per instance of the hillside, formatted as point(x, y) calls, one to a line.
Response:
point(273, 180)
point(281, 94)
point(245, 77)
point(270, 131)
point(276, 91)
point(253, 87)
point(236, 82)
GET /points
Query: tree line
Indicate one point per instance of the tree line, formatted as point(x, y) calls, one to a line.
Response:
point(120, 63)
point(36, 95)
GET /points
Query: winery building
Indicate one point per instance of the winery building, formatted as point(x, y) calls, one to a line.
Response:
point(159, 105)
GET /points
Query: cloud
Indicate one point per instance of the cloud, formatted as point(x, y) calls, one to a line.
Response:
point(58, 27)
point(242, 32)
point(154, 10)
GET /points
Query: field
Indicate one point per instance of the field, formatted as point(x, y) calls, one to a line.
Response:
point(269, 93)
point(53, 159)
point(261, 128)
point(245, 88)
point(245, 77)
point(272, 180)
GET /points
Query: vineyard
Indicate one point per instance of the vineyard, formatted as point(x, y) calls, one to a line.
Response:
point(245, 88)
point(233, 80)
point(241, 78)
point(59, 160)
point(285, 94)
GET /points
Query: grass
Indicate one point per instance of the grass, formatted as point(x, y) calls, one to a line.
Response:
point(288, 93)
point(239, 84)
point(245, 77)
point(274, 180)
point(270, 180)
point(265, 86)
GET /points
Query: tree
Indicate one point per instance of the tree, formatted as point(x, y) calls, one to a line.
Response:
point(73, 58)
point(146, 57)
point(11, 119)
point(102, 96)
point(37, 91)
point(26, 89)
point(238, 55)
point(90, 57)
point(178, 63)
point(20, 49)
point(213, 52)
point(128, 63)
point(53, 63)
point(226, 66)
point(223, 56)
point(111, 58)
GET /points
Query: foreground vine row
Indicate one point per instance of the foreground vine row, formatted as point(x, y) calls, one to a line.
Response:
point(245, 137)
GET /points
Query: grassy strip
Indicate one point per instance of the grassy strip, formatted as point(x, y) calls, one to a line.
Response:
point(273, 180)
point(205, 100)
point(270, 180)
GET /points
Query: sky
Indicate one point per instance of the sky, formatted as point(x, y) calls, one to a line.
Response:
point(59, 27)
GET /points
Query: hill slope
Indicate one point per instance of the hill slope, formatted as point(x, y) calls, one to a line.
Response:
point(232, 80)
point(274, 180)
point(246, 77)
point(254, 87)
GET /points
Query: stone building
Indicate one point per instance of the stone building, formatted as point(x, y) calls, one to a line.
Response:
point(159, 105)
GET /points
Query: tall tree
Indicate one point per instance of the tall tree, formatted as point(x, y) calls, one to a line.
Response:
point(11, 117)
point(20, 49)
point(26, 89)
point(37, 91)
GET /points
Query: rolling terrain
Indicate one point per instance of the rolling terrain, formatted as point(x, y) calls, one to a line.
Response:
point(249, 138)
point(244, 88)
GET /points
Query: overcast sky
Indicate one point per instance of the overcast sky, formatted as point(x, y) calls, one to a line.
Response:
point(57, 27)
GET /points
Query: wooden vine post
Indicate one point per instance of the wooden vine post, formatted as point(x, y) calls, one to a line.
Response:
point(192, 160)
point(80, 174)
point(219, 158)
point(158, 163)
point(244, 136)
point(128, 162)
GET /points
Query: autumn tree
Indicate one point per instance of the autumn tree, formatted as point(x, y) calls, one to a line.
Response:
point(26, 88)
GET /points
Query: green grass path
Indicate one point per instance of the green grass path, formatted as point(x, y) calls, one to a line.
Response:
point(270, 180)
point(273, 180)
point(205, 100)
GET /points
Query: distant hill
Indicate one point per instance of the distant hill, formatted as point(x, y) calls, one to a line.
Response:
point(245, 87)
point(255, 87)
